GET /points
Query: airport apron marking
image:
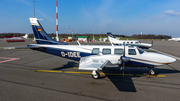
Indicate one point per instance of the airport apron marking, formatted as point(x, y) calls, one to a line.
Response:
point(74, 72)
point(5, 59)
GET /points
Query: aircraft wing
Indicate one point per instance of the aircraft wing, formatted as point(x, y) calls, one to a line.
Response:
point(92, 63)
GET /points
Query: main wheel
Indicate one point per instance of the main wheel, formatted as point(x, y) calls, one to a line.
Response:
point(95, 75)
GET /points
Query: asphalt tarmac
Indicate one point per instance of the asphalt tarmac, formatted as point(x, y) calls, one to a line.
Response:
point(27, 75)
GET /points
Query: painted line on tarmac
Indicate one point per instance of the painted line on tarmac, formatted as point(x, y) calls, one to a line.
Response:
point(74, 72)
point(49, 71)
point(165, 53)
point(75, 67)
point(77, 72)
point(6, 59)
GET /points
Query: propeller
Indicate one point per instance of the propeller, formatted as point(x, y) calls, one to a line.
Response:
point(152, 43)
point(124, 59)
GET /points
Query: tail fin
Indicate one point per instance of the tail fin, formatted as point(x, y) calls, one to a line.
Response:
point(111, 38)
point(25, 36)
point(40, 34)
point(110, 35)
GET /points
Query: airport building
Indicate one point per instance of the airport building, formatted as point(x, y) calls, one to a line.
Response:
point(82, 38)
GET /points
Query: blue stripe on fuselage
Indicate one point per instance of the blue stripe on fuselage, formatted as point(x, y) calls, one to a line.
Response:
point(74, 55)
point(132, 63)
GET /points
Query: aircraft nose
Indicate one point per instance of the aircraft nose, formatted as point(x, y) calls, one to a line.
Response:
point(170, 59)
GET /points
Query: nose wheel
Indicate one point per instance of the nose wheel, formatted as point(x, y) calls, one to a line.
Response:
point(152, 72)
point(95, 75)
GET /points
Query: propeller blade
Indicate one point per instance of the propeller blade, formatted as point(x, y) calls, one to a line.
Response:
point(124, 51)
point(123, 60)
point(123, 68)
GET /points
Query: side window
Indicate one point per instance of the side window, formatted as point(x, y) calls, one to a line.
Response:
point(95, 51)
point(106, 51)
point(127, 42)
point(118, 51)
point(131, 42)
point(132, 52)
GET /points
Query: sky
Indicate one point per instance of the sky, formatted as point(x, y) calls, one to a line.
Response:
point(123, 17)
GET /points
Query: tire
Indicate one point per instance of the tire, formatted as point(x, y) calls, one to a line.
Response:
point(152, 72)
point(96, 76)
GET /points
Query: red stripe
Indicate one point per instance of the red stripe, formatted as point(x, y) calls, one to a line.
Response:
point(56, 15)
point(56, 27)
point(56, 3)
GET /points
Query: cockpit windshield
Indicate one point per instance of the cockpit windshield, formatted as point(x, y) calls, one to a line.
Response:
point(137, 42)
point(140, 50)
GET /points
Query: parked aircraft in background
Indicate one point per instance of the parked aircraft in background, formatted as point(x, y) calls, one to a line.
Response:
point(15, 38)
point(25, 36)
point(174, 39)
point(116, 41)
point(97, 57)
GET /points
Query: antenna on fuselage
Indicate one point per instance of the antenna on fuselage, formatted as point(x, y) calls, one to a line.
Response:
point(78, 43)
point(112, 44)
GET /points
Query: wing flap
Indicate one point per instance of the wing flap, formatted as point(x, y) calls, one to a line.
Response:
point(92, 63)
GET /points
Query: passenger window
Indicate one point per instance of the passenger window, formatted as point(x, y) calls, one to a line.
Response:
point(127, 42)
point(106, 51)
point(131, 42)
point(136, 42)
point(132, 52)
point(118, 51)
point(95, 51)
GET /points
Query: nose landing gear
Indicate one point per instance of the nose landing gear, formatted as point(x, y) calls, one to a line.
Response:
point(152, 72)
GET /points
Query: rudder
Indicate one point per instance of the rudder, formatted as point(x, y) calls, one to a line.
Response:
point(40, 34)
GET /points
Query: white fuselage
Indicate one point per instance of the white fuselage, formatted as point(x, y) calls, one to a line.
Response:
point(175, 39)
point(112, 53)
point(130, 42)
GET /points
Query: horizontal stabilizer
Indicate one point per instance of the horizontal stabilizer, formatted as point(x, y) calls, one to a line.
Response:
point(9, 48)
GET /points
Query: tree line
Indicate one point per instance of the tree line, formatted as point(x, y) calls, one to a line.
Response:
point(137, 36)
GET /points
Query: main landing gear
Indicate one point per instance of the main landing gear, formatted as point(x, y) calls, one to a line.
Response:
point(95, 74)
point(152, 72)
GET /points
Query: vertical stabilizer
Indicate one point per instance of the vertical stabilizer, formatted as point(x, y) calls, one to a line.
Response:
point(40, 34)
point(111, 38)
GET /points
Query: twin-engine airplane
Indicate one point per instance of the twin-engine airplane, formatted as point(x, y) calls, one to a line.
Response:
point(115, 41)
point(97, 57)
